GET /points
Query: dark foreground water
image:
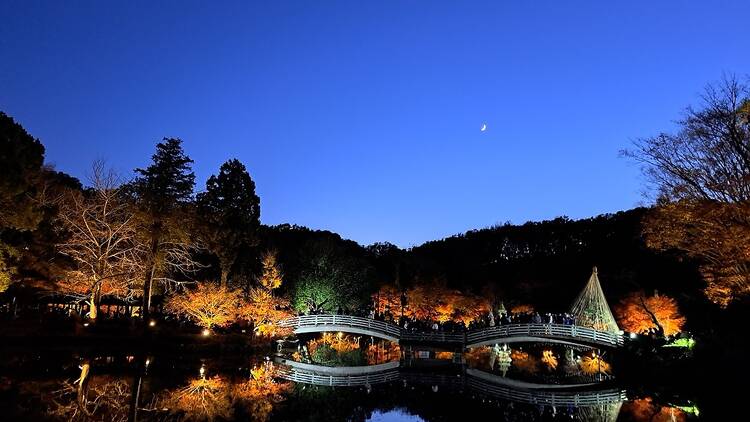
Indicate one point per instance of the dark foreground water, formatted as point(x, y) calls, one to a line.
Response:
point(422, 385)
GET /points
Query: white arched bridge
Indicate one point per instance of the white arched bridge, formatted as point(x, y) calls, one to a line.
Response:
point(590, 310)
point(508, 333)
point(582, 395)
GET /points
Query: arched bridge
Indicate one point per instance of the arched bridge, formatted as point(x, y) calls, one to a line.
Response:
point(480, 381)
point(509, 333)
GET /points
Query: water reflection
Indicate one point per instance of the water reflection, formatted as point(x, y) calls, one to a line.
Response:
point(444, 386)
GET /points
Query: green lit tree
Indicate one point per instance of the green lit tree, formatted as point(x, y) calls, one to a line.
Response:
point(332, 277)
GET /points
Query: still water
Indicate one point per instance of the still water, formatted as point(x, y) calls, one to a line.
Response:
point(327, 379)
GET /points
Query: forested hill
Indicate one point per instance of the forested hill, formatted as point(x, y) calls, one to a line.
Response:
point(548, 262)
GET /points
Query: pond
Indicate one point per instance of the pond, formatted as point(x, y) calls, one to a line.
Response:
point(328, 378)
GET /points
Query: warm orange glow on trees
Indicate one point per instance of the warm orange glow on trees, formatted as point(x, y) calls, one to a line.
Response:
point(702, 177)
point(271, 278)
point(340, 343)
point(101, 242)
point(549, 359)
point(261, 392)
point(208, 305)
point(265, 311)
point(525, 362)
point(388, 352)
point(644, 409)
point(432, 303)
point(658, 313)
point(521, 309)
point(594, 364)
point(204, 398)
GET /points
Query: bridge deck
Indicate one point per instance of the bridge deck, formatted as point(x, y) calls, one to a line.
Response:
point(552, 333)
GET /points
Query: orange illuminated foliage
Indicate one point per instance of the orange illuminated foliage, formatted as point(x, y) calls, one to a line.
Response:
point(201, 399)
point(716, 234)
point(478, 357)
point(340, 343)
point(261, 392)
point(521, 309)
point(637, 313)
point(594, 364)
point(271, 278)
point(524, 362)
point(208, 305)
point(388, 352)
point(265, 311)
point(432, 303)
point(644, 409)
point(550, 360)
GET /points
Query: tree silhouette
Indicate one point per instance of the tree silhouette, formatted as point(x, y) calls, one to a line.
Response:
point(230, 211)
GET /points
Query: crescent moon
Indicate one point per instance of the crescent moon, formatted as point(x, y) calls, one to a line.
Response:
point(484, 127)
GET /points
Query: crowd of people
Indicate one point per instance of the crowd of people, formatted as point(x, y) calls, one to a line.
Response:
point(491, 319)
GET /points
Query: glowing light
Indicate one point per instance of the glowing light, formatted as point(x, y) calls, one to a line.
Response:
point(633, 335)
point(85, 324)
point(205, 332)
point(202, 370)
point(148, 361)
point(152, 323)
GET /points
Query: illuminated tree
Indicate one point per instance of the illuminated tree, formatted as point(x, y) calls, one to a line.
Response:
point(332, 277)
point(101, 242)
point(271, 278)
point(162, 193)
point(264, 311)
point(645, 409)
point(207, 304)
point(521, 309)
point(230, 211)
point(702, 178)
point(659, 314)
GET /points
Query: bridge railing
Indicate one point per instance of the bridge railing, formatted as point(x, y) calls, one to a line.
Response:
point(545, 331)
point(577, 399)
point(557, 331)
point(305, 377)
point(342, 320)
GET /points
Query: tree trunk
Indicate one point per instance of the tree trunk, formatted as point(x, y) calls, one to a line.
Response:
point(224, 277)
point(94, 304)
point(149, 276)
point(83, 388)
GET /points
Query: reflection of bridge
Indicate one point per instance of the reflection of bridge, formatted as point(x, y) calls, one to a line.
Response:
point(483, 382)
point(509, 333)
point(590, 310)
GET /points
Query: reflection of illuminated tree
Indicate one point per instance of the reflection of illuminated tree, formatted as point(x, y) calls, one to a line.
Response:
point(333, 349)
point(525, 362)
point(549, 359)
point(208, 305)
point(261, 392)
point(478, 357)
point(638, 313)
point(101, 398)
point(594, 364)
point(522, 309)
point(204, 398)
point(645, 409)
point(388, 352)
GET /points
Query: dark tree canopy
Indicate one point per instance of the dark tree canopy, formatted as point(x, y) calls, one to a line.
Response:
point(168, 182)
point(230, 210)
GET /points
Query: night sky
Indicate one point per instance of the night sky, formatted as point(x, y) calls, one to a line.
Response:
point(364, 117)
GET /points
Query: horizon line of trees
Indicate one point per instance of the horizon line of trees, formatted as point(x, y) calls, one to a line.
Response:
point(153, 235)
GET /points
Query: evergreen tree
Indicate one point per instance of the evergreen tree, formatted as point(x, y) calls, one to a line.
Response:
point(230, 212)
point(163, 192)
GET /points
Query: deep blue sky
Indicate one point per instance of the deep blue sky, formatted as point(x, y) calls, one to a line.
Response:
point(363, 117)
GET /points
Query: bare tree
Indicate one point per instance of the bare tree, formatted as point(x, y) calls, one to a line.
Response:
point(701, 176)
point(101, 241)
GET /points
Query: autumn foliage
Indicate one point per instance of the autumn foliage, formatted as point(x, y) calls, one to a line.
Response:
point(642, 314)
point(208, 304)
point(431, 303)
